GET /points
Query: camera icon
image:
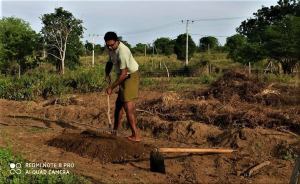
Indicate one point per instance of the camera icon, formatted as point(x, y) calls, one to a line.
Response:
point(15, 168)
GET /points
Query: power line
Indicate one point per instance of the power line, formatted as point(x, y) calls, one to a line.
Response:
point(174, 23)
point(225, 36)
point(150, 29)
point(218, 19)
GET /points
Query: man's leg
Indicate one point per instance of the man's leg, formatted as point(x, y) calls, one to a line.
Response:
point(131, 118)
point(118, 114)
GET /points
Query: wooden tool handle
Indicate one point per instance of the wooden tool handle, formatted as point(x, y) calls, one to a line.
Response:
point(194, 150)
point(108, 112)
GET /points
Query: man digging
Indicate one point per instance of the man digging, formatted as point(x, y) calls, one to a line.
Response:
point(126, 69)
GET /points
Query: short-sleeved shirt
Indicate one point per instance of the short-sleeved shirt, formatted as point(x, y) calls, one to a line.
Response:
point(122, 58)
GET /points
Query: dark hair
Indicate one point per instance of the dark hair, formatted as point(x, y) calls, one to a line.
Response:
point(110, 36)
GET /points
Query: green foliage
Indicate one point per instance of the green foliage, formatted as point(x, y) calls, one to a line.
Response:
point(180, 46)
point(164, 46)
point(242, 51)
point(7, 157)
point(208, 42)
point(178, 84)
point(274, 33)
point(98, 49)
point(283, 42)
point(17, 45)
point(62, 25)
point(235, 42)
point(37, 83)
point(139, 48)
point(85, 79)
point(88, 47)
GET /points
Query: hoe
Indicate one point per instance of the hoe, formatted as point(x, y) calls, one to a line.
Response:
point(157, 162)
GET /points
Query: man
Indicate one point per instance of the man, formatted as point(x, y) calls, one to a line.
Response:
point(127, 72)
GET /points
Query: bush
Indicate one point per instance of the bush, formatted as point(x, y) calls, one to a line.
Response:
point(36, 83)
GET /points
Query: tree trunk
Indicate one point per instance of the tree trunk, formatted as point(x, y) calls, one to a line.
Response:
point(62, 67)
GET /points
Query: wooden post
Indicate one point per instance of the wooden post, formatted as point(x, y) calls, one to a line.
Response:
point(167, 70)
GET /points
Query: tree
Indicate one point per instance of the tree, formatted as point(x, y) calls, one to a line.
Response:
point(18, 43)
point(180, 46)
point(242, 51)
point(275, 31)
point(164, 46)
point(283, 42)
point(139, 48)
point(98, 49)
point(233, 46)
point(208, 42)
point(88, 47)
point(62, 33)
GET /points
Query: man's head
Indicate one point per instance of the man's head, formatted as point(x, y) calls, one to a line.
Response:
point(111, 40)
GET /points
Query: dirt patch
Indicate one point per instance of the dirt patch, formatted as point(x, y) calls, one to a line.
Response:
point(242, 87)
point(103, 147)
point(235, 100)
point(227, 114)
point(171, 120)
point(235, 83)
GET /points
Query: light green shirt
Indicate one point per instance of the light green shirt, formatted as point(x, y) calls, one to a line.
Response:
point(122, 58)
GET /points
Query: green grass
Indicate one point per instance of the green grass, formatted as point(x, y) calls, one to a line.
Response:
point(177, 83)
point(6, 177)
point(283, 79)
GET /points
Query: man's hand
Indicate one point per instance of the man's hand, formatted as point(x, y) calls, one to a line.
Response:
point(109, 90)
point(108, 79)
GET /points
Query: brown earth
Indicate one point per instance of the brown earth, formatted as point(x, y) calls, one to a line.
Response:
point(103, 147)
point(233, 113)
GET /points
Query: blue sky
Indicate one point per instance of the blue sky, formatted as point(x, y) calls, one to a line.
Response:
point(143, 21)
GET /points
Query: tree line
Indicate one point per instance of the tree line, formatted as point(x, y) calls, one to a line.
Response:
point(273, 34)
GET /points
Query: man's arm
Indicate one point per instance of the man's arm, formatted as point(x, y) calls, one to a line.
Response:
point(108, 68)
point(118, 81)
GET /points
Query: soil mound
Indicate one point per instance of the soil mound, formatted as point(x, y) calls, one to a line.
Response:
point(235, 83)
point(103, 147)
point(250, 89)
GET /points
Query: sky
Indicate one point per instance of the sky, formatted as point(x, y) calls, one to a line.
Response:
point(143, 21)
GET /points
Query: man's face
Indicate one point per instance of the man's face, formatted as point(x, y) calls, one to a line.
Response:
point(112, 44)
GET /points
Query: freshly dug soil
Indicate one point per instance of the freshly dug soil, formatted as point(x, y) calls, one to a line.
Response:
point(239, 85)
point(235, 100)
point(103, 147)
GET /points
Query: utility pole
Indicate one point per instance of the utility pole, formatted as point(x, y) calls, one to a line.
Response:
point(93, 60)
point(187, 41)
point(93, 42)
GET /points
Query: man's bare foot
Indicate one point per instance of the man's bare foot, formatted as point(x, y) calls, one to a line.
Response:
point(134, 138)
